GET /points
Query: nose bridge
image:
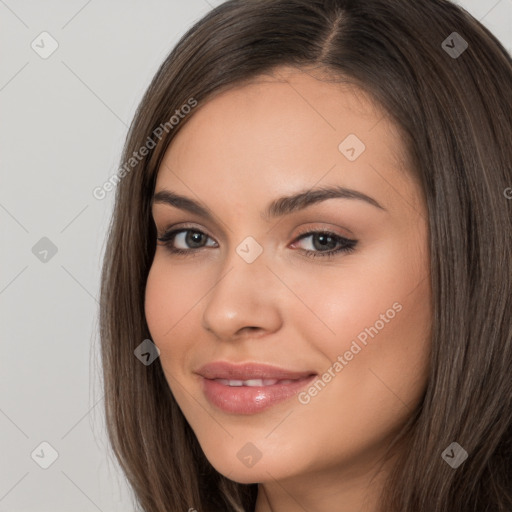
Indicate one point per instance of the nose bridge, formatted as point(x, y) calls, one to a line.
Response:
point(243, 294)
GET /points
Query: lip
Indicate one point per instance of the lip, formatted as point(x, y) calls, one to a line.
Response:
point(249, 399)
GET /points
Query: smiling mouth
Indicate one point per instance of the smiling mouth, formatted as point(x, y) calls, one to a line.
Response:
point(254, 382)
point(250, 387)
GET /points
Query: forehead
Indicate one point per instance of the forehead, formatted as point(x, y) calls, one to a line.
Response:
point(285, 130)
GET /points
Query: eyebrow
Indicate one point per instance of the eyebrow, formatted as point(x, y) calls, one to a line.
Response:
point(277, 208)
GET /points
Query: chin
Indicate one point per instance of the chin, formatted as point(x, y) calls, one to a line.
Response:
point(238, 466)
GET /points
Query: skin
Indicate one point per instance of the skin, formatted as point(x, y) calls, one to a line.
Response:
point(265, 139)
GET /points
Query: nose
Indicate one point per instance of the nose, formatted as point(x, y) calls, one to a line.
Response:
point(245, 300)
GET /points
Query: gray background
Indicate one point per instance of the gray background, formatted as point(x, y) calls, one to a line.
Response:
point(63, 122)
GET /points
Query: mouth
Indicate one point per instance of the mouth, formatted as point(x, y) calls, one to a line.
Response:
point(250, 388)
point(253, 382)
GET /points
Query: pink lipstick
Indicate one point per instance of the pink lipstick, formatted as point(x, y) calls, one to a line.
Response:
point(249, 388)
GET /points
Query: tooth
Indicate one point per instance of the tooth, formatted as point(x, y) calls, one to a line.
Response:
point(253, 382)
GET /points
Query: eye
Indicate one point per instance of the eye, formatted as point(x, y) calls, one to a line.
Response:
point(325, 244)
point(189, 240)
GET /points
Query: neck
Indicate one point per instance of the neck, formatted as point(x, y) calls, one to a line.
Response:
point(341, 490)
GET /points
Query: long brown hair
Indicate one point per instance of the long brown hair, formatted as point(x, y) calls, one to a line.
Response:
point(453, 104)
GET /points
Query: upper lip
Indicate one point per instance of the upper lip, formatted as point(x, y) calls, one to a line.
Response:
point(247, 371)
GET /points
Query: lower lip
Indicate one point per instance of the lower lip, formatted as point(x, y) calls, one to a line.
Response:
point(250, 399)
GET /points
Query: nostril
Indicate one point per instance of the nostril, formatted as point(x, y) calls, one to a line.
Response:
point(249, 328)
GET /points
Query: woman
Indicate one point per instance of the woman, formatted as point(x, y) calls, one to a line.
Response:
point(306, 289)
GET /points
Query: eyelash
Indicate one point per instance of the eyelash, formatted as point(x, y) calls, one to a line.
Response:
point(347, 245)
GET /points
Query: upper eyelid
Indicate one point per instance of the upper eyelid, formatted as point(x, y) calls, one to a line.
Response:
point(214, 223)
point(184, 227)
point(190, 225)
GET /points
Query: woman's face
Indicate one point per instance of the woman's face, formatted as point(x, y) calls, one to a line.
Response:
point(256, 285)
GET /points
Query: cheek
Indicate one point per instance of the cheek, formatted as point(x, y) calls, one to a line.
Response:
point(382, 289)
point(170, 296)
point(377, 359)
point(172, 305)
point(157, 306)
point(167, 302)
point(372, 324)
